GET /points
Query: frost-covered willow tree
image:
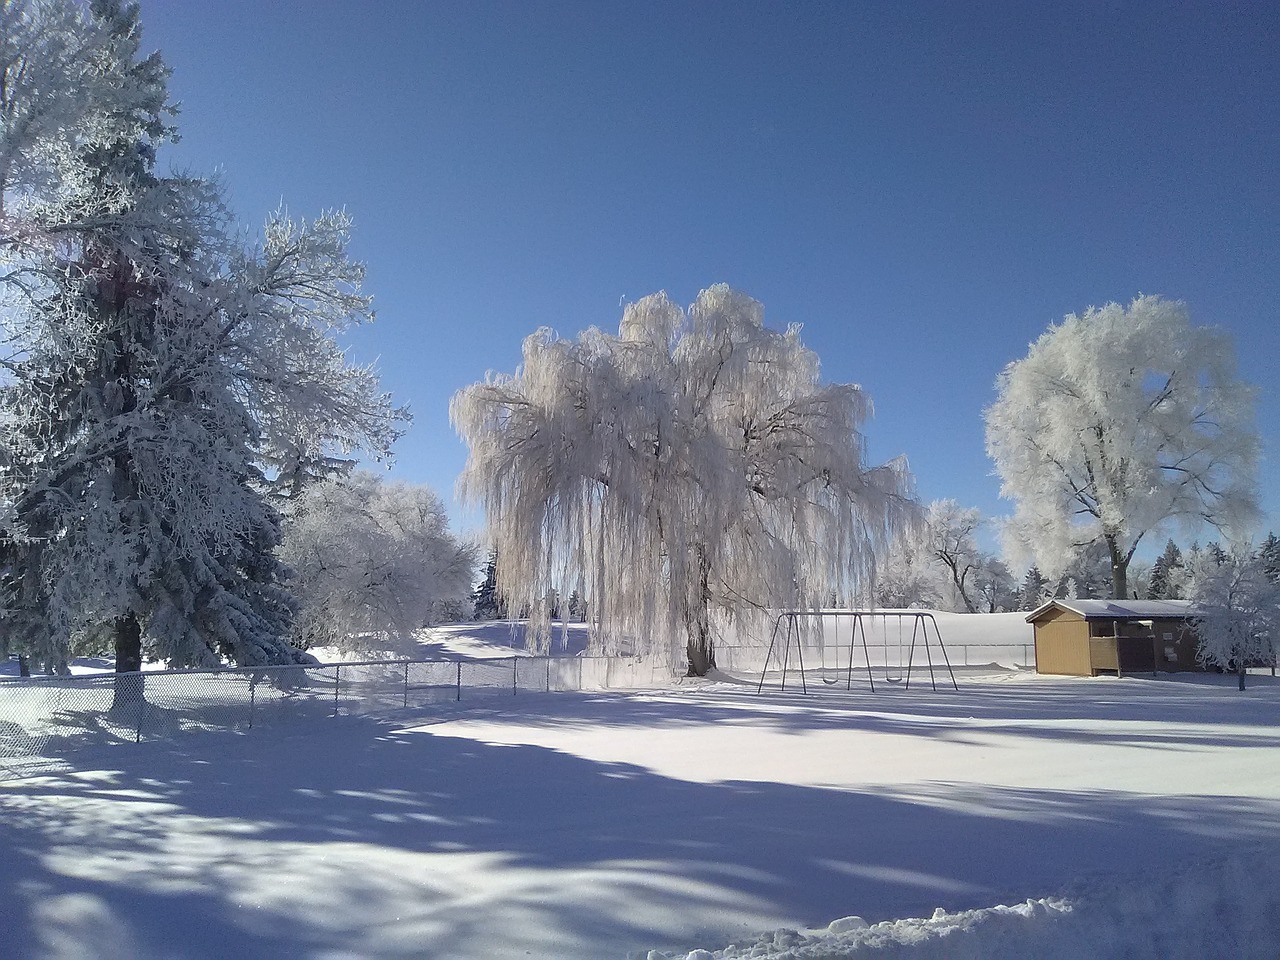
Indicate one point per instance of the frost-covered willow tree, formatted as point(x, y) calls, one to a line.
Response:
point(152, 364)
point(689, 471)
point(1117, 422)
point(371, 560)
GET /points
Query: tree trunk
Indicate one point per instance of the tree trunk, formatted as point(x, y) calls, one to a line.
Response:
point(128, 683)
point(24, 665)
point(1240, 671)
point(1119, 571)
point(701, 648)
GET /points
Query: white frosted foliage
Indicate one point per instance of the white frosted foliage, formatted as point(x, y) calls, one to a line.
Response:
point(1237, 610)
point(1117, 422)
point(370, 559)
point(691, 469)
point(154, 366)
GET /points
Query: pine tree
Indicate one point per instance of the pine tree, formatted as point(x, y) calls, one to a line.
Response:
point(1163, 585)
point(1269, 553)
point(489, 605)
point(1034, 586)
point(154, 368)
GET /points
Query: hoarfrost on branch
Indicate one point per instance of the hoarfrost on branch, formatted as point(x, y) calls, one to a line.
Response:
point(1117, 422)
point(688, 472)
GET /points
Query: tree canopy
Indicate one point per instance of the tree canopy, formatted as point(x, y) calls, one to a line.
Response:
point(154, 365)
point(690, 468)
point(1119, 421)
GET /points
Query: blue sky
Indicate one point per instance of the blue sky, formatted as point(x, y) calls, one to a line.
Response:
point(924, 186)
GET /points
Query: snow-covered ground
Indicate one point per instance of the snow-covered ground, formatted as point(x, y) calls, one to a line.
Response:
point(1114, 818)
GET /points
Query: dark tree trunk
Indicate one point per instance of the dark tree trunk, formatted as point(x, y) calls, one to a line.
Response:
point(128, 684)
point(1119, 571)
point(24, 665)
point(701, 648)
point(1240, 671)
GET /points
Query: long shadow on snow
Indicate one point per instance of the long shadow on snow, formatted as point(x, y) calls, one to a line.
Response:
point(216, 847)
point(1161, 716)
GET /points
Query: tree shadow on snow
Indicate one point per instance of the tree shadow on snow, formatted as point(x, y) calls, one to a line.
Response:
point(368, 839)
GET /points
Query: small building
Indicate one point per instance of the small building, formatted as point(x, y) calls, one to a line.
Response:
point(1083, 638)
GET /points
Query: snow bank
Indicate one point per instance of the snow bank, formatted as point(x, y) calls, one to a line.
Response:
point(1225, 908)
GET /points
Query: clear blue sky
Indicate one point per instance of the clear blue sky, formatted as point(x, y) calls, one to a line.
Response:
point(924, 186)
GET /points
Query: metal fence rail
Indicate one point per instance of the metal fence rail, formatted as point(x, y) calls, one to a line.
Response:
point(44, 718)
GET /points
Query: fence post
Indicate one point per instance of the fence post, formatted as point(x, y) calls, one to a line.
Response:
point(405, 703)
point(548, 660)
point(459, 697)
point(337, 685)
point(515, 673)
point(252, 686)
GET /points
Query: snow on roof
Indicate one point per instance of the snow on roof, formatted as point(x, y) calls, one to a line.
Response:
point(1120, 609)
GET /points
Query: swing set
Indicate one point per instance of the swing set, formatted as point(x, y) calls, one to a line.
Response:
point(831, 669)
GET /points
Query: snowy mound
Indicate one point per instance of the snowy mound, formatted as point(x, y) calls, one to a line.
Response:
point(1228, 908)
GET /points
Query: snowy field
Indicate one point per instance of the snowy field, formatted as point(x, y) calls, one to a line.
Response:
point(1126, 818)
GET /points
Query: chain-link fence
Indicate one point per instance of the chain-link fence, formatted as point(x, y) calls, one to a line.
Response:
point(45, 718)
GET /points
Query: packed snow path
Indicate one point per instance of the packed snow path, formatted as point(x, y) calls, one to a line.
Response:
point(602, 825)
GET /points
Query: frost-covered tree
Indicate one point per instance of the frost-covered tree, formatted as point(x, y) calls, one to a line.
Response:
point(1269, 554)
point(487, 604)
point(1163, 586)
point(372, 562)
point(1237, 611)
point(153, 365)
point(951, 541)
point(1088, 574)
point(1118, 422)
point(690, 468)
point(1035, 590)
point(994, 589)
point(908, 575)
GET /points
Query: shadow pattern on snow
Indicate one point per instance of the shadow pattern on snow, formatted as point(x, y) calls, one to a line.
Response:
point(376, 840)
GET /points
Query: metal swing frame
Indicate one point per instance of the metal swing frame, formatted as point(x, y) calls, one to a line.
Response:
point(921, 619)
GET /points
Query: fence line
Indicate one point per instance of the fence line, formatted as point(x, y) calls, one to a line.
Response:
point(43, 718)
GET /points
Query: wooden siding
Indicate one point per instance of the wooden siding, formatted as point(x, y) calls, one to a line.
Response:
point(1067, 643)
point(1062, 644)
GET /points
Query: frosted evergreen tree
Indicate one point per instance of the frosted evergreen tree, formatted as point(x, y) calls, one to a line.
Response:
point(373, 562)
point(1163, 579)
point(1118, 422)
point(1237, 611)
point(1269, 553)
point(691, 469)
point(488, 605)
point(1034, 589)
point(577, 607)
point(153, 365)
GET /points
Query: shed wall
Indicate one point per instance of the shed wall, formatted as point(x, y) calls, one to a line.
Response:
point(1062, 644)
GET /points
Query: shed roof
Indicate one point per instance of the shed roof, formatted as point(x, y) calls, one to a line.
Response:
point(1120, 609)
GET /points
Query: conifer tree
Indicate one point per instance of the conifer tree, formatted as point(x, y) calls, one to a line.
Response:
point(154, 365)
point(1269, 553)
point(1163, 579)
point(488, 603)
point(1034, 587)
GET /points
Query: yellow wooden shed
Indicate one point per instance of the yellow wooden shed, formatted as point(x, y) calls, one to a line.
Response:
point(1083, 638)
